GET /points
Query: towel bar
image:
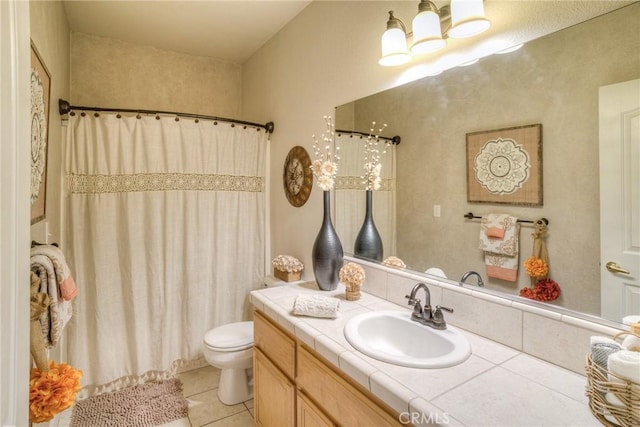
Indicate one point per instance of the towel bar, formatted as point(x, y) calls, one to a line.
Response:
point(470, 215)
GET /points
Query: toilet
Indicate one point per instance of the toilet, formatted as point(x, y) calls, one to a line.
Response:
point(230, 348)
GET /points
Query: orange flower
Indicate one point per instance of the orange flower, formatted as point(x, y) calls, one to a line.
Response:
point(536, 267)
point(52, 391)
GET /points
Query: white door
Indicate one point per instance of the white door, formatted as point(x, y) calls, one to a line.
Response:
point(620, 199)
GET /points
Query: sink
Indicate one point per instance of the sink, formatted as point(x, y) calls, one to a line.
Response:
point(391, 336)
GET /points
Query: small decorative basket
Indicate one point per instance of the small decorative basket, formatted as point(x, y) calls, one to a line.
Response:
point(287, 268)
point(601, 390)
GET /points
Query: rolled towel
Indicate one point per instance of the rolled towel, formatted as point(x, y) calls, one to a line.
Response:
point(596, 339)
point(601, 351)
point(624, 364)
point(632, 342)
point(628, 320)
point(316, 306)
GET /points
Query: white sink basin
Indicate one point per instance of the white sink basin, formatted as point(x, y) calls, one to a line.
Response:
point(391, 336)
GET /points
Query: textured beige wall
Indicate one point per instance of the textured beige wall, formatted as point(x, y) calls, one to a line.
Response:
point(111, 73)
point(554, 81)
point(50, 35)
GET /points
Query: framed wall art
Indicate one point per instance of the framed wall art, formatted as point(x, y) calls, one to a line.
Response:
point(40, 93)
point(504, 166)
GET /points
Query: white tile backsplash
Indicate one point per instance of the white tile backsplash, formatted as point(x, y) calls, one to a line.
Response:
point(498, 322)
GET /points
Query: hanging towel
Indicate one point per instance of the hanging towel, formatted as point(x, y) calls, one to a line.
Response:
point(59, 312)
point(500, 253)
point(66, 284)
point(316, 306)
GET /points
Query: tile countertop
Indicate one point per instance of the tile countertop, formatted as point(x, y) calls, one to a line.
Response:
point(496, 386)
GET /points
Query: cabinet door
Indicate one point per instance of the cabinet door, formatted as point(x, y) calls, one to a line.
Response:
point(274, 394)
point(309, 415)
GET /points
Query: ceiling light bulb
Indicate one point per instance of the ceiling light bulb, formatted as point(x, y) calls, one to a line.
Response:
point(394, 43)
point(467, 18)
point(427, 36)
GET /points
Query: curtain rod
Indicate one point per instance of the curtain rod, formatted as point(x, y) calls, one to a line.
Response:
point(65, 108)
point(395, 140)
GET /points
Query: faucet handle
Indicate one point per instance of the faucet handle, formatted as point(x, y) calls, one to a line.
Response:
point(411, 301)
point(439, 307)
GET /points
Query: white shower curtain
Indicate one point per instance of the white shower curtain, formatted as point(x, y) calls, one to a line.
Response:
point(165, 234)
point(350, 194)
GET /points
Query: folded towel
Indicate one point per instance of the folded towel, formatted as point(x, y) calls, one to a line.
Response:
point(494, 225)
point(316, 306)
point(500, 254)
point(59, 312)
point(67, 285)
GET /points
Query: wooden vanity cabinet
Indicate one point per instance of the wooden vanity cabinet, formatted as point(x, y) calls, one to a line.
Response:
point(274, 358)
point(294, 386)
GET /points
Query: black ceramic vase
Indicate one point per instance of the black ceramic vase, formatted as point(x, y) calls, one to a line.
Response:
point(368, 243)
point(327, 251)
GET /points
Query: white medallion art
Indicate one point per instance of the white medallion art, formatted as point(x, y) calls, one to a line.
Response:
point(38, 134)
point(502, 166)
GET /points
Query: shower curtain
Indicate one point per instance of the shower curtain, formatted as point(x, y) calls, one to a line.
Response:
point(165, 233)
point(350, 194)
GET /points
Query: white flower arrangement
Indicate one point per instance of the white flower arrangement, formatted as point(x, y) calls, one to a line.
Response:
point(287, 263)
point(325, 167)
point(352, 275)
point(395, 262)
point(372, 155)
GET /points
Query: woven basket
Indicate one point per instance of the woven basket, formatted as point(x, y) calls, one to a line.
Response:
point(627, 392)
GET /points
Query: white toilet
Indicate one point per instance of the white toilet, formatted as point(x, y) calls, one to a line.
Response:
point(230, 348)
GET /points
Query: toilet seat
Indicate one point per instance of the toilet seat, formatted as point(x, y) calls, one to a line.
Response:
point(230, 337)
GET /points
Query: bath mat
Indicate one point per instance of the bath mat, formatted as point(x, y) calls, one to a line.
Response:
point(144, 405)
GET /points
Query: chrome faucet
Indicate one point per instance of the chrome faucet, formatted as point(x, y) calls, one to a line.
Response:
point(466, 275)
point(427, 315)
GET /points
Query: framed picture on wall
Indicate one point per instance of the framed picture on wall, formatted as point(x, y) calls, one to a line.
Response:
point(504, 166)
point(40, 93)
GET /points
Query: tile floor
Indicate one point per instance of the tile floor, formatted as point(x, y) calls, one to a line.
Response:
point(200, 388)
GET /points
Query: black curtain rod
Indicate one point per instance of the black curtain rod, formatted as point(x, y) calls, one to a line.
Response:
point(65, 108)
point(395, 140)
point(470, 215)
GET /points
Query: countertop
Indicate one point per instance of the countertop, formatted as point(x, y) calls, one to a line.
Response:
point(496, 386)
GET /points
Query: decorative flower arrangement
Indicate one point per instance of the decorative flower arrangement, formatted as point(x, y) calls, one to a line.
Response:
point(544, 290)
point(395, 262)
point(52, 391)
point(287, 263)
point(352, 275)
point(372, 155)
point(325, 167)
point(536, 267)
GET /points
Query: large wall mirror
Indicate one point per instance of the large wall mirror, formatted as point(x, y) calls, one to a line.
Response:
point(554, 81)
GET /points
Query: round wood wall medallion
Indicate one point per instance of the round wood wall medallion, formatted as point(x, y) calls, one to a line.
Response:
point(297, 176)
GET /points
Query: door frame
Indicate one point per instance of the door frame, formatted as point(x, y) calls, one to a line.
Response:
point(15, 178)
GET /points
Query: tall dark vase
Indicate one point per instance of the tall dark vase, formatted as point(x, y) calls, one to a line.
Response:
point(327, 251)
point(368, 243)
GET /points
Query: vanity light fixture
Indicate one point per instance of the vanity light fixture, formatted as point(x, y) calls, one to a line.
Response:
point(431, 26)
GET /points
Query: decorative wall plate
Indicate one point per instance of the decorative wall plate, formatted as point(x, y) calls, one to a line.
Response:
point(297, 176)
point(40, 93)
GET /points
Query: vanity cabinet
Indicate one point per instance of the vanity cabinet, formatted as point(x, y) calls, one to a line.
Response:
point(294, 386)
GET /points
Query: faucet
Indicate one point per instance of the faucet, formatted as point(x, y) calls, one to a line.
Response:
point(427, 315)
point(466, 275)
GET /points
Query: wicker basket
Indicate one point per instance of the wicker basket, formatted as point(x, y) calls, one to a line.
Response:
point(627, 392)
